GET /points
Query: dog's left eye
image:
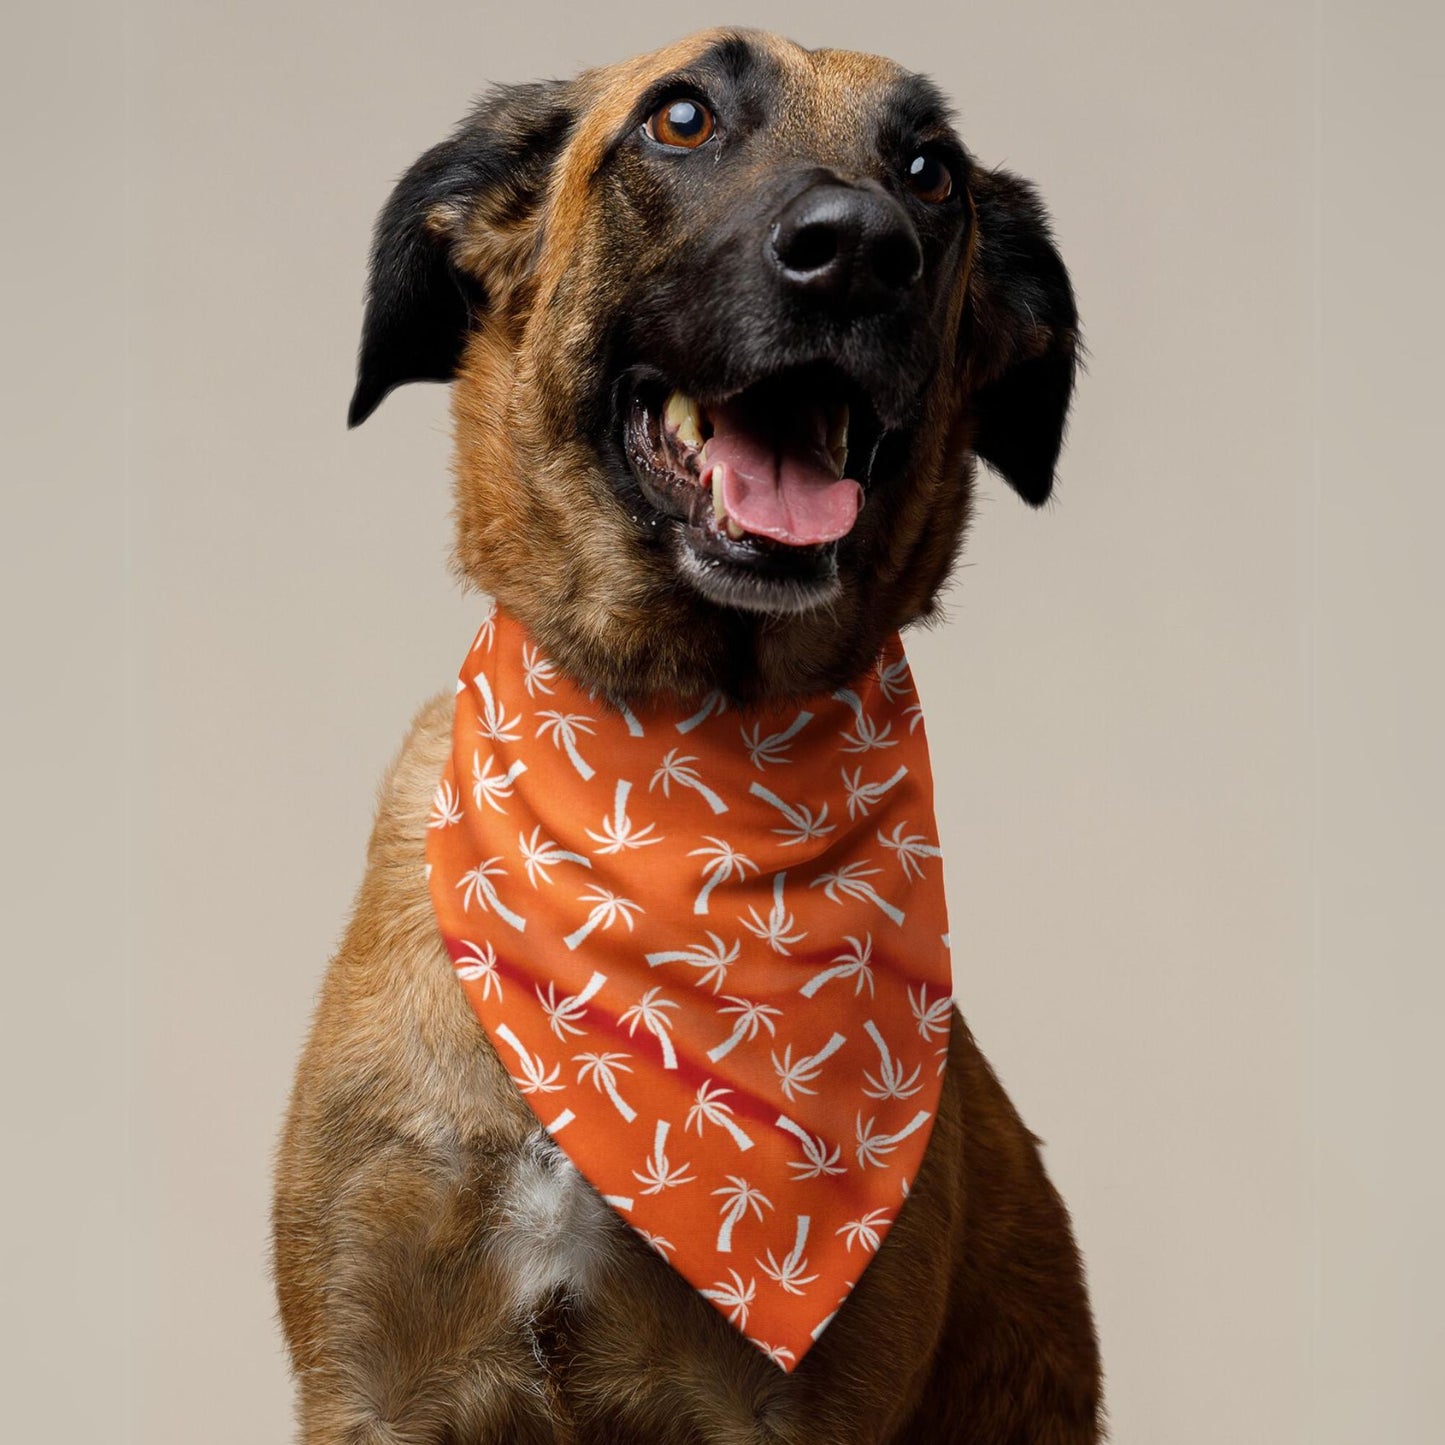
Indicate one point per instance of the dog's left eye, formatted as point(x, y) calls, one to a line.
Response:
point(929, 179)
point(681, 124)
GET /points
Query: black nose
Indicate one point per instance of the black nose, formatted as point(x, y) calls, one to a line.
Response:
point(851, 249)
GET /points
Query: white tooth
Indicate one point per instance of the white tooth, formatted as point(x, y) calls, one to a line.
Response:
point(838, 432)
point(683, 417)
point(734, 531)
point(719, 511)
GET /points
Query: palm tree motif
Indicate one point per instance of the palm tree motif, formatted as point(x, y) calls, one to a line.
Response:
point(650, 1012)
point(865, 1231)
point(874, 1148)
point(713, 704)
point(775, 929)
point(607, 908)
point(855, 963)
point(851, 698)
point(487, 632)
point(893, 678)
point(862, 796)
point(477, 887)
point(803, 825)
point(910, 849)
point(539, 854)
point(788, 1271)
point(495, 723)
point(676, 767)
point(780, 1355)
point(618, 1201)
point(867, 735)
point(658, 1173)
point(774, 747)
point(564, 728)
point(563, 1119)
point(536, 1077)
point(750, 1018)
point(714, 962)
point(850, 881)
point(603, 1070)
point(618, 833)
point(661, 1245)
point(493, 788)
point(629, 718)
point(932, 1017)
point(796, 1075)
point(738, 1197)
point(480, 967)
point(538, 672)
point(891, 1082)
point(734, 1295)
point(914, 714)
point(819, 1157)
point(723, 863)
point(446, 806)
point(708, 1108)
point(563, 1013)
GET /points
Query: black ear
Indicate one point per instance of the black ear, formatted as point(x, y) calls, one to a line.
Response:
point(420, 302)
point(1023, 336)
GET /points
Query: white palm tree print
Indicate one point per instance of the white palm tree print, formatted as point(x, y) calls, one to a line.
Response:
point(803, 825)
point(540, 854)
point(788, 1271)
point(849, 880)
point(865, 1230)
point(776, 929)
point(538, 672)
point(892, 1082)
point(487, 632)
point(851, 698)
point(676, 767)
point(477, 887)
point(738, 1198)
point(493, 788)
point(563, 1013)
point(708, 1108)
point(855, 962)
point(794, 1075)
point(723, 863)
point(735, 1295)
point(751, 1017)
point(603, 1069)
point(713, 959)
point(819, 1157)
point(446, 806)
point(659, 1172)
point(619, 834)
point(874, 1148)
point(563, 728)
point(867, 735)
point(495, 723)
point(862, 796)
point(479, 967)
point(712, 705)
point(607, 908)
point(780, 1355)
point(914, 715)
point(774, 747)
point(910, 848)
point(650, 1012)
point(536, 1077)
point(663, 1246)
point(931, 1015)
point(893, 678)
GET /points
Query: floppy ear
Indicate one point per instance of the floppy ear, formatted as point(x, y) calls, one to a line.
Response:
point(1023, 335)
point(428, 275)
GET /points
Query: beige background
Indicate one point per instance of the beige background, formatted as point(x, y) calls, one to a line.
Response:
point(1192, 794)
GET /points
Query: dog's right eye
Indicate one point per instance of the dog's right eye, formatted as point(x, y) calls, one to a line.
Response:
point(681, 124)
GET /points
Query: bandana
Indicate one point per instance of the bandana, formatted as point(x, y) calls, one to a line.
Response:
point(711, 949)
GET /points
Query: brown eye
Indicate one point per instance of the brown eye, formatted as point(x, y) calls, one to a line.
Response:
point(929, 179)
point(682, 124)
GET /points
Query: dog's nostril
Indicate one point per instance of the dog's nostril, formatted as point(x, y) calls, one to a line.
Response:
point(897, 260)
point(809, 248)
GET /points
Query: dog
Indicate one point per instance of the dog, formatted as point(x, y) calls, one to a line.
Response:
point(597, 266)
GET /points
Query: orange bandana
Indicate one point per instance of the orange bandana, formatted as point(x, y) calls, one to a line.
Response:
point(711, 949)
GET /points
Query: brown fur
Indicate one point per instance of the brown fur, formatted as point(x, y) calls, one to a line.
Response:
point(407, 1148)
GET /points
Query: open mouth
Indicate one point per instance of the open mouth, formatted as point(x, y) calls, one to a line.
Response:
point(763, 485)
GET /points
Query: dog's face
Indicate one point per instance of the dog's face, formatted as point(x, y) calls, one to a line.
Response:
point(728, 325)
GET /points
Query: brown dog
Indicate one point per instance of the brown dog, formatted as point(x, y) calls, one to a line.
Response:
point(730, 216)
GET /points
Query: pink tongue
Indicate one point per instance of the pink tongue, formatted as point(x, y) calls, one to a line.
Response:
point(777, 481)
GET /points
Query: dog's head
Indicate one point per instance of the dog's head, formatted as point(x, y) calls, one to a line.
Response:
point(728, 325)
